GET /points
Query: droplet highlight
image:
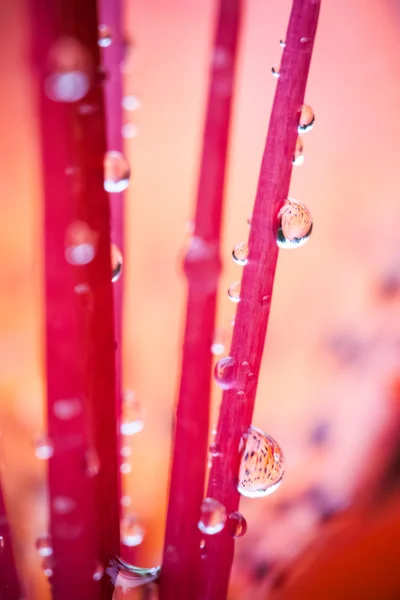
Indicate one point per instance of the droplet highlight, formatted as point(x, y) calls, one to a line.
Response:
point(132, 421)
point(132, 533)
point(294, 224)
point(282, 43)
point(70, 71)
point(298, 157)
point(218, 343)
point(237, 524)
point(116, 263)
point(44, 448)
point(80, 244)
point(47, 566)
point(275, 72)
point(98, 572)
point(234, 291)
point(116, 172)
point(104, 36)
point(306, 119)
point(213, 516)
point(44, 545)
point(225, 372)
point(240, 253)
point(131, 103)
point(262, 465)
point(2, 543)
point(67, 409)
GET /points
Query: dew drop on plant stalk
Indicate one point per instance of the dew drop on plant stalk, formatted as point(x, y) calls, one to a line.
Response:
point(240, 253)
point(125, 468)
point(47, 566)
point(116, 172)
point(116, 263)
point(98, 572)
point(92, 463)
point(131, 103)
point(215, 450)
point(44, 545)
point(104, 36)
point(262, 465)
point(237, 524)
point(44, 448)
point(2, 543)
point(67, 409)
point(282, 43)
point(80, 243)
point(298, 157)
point(132, 533)
point(234, 291)
point(294, 224)
point(132, 421)
point(225, 372)
point(70, 70)
point(275, 73)
point(306, 119)
point(218, 342)
point(212, 516)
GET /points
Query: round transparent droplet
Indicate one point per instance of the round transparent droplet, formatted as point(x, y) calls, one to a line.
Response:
point(67, 409)
point(125, 468)
point(2, 543)
point(47, 566)
point(63, 505)
point(132, 533)
point(104, 36)
point(294, 224)
point(131, 103)
point(260, 472)
point(234, 291)
point(212, 516)
point(275, 72)
point(44, 448)
point(240, 253)
point(304, 40)
point(70, 71)
point(218, 343)
point(237, 524)
point(44, 545)
point(282, 43)
point(80, 243)
point(116, 263)
point(215, 450)
point(129, 130)
point(98, 572)
point(132, 418)
point(298, 157)
point(125, 501)
point(306, 119)
point(116, 172)
point(225, 372)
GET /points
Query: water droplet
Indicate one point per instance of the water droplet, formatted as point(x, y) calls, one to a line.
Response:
point(125, 468)
point(44, 545)
point(104, 38)
point(237, 524)
point(126, 451)
point(92, 463)
point(116, 263)
point(282, 43)
point(127, 577)
point(129, 130)
point(47, 566)
point(67, 409)
point(241, 395)
point(116, 172)
point(132, 533)
point(2, 543)
point(246, 367)
point(70, 67)
point(306, 119)
point(265, 300)
point(240, 253)
point(298, 157)
point(294, 224)
point(304, 40)
point(44, 448)
point(260, 473)
point(81, 288)
point(275, 73)
point(63, 505)
point(132, 421)
point(131, 103)
point(98, 572)
point(213, 516)
point(215, 449)
point(80, 243)
point(225, 372)
point(125, 501)
point(218, 344)
point(234, 291)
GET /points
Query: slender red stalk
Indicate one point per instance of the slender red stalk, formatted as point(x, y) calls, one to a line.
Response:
point(83, 472)
point(257, 282)
point(181, 562)
point(9, 583)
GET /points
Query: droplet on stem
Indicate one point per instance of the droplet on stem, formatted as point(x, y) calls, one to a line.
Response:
point(234, 291)
point(104, 36)
point(44, 545)
point(237, 524)
point(282, 43)
point(132, 533)
point(225, 372)
point(298, 157)
point(80, 243)
point(47, 566)
point(218, 343)
point(240, 253)
point(116, 172)
point(67, 409)
point(132, 421)
point(306, 119)
point(2, 543)
point(71, 71)
point(98, 572)
point(44, 448)
point(116, 263)
point(92, 463)
point(262, 465)
point(275, 72)
point(131, 103)
point(294, 224)
point(213, 516)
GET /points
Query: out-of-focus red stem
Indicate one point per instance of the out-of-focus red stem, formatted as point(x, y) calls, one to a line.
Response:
point(181, 562)
point(257, 282)
point(83, 472)
point(9, 583)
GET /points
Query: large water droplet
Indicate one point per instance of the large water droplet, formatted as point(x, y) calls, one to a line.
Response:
point(131, 103)
point(132, 533)
point(44, 448)
point(98, 572)
point(225, 372)
point(306, 119)
point(294, 224)
point(237, 524)
point(104, 38)
point(44, 545)
point(234, 291)
point(218, 344)
point(298, 157)
point(116, 172)
point(126, 576)
point(240, 253)
point(70, 67)
point(67, 409)
point(80, 243)
point(116, 263)
point(275, 72)
point(132, 420)
point(262, 465)
point(213, 516)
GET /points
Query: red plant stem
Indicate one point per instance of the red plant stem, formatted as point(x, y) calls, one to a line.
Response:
point(84, 519)
point(181, 562)
point(9, 583)
point(257, 282)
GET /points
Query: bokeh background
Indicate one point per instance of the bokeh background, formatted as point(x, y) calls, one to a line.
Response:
point(330, 382)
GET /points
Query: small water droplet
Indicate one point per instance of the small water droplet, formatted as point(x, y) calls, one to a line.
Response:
point(240, 253)
point(260, 474)
point(2, 543)
point(213, 516)
point(98, 572)
point(225, 372)
point(234, 291)
point(275, 73)
point(215, 449)
point(237, 524)
point(116, 263)
point(298, 157)
point(246, 367)
point(44, 545)
point(80, 243)
point(63, 505)
point(125, 501)
point(218, 344)
point(241, 395)
point(125, 468)
point(129, 130)
point(81, 288)
point(282, 43)
point(132, 421)
point(265, 300)
point(131, 103)
point(132, 533)
point(116, 172)
point(294, 224)
point(47, 566)
point(306, 119)
point(304, 40)
point(92, 463)
point(70, 67)
point(67, 409)
point(44, 448)
point(126, 451)
point(104, 36)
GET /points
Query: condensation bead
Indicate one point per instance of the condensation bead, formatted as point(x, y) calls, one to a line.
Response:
point(70, 71)
point(132, 533)
point(131, 103)
point(225, 372)
point(240, 253)
point(234, 291)
point(237, 524)
point(212, 516)
point(294, 224)
point(2, 543)
point(44, 448)
point(47, 566)
point(275, 72)
point(104, 36)
point(116, 263)
point(80, 243)
point(298, 157)
point(116, 172)
point(98, 572)
point(218, 343)
point(262, 465)
point(67, 409)
point(306, 119)
point(132, 420)
point(44, 545)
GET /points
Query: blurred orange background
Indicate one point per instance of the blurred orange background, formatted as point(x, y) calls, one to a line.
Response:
point(329, 389)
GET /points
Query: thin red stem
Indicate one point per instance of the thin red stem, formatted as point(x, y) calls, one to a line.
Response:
point(9, 582)
point(181, 562)
point(257, 282)
point(83, 472)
